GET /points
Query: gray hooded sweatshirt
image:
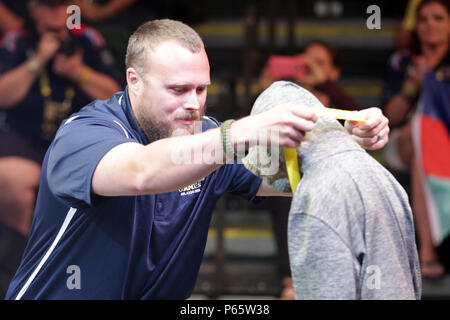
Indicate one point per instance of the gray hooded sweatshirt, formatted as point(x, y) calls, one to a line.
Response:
point(351, 230)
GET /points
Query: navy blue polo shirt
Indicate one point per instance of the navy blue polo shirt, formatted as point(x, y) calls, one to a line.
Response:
point(85, 246)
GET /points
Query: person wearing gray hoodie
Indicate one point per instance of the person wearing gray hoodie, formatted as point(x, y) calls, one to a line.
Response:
point(350, 232)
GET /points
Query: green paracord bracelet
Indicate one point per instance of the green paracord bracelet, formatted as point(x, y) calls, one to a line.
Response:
point(226, 143)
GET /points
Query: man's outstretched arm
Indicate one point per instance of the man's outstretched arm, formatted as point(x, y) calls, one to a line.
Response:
point(131, 168)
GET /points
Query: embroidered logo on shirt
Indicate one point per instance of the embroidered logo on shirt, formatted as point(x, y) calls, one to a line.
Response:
point(193, 188)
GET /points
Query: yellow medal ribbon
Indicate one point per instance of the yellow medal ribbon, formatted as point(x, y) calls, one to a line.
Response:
point(339, 114)
point(293, 171)
point(290, 154)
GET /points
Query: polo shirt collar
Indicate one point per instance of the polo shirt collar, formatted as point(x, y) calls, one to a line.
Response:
point(128, 110)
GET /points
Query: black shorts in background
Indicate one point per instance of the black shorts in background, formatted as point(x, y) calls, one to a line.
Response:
point(13, 144)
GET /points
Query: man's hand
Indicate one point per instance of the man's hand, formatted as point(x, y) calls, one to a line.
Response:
point(372, 134)
point(287, 124)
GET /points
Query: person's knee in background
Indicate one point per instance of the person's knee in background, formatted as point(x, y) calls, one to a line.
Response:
point(19, 179)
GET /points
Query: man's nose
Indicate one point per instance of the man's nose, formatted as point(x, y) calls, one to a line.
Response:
point(191, 106)
point(192, 102)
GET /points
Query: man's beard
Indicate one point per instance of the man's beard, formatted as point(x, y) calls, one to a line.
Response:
point(156, 130)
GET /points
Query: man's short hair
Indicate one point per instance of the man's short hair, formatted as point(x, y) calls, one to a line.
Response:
point(152, 33)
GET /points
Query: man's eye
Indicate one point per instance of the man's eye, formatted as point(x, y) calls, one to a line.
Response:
point(201, 89)
point(178, 90)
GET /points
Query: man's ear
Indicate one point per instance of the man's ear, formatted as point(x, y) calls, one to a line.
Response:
point(134, 81)
point(335, 73)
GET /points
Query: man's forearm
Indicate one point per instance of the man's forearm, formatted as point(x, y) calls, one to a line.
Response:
point(162, 166)
point(181, 161)
point(168, 164)
point(266, 190)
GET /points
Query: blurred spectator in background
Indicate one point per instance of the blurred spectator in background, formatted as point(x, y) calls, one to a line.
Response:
point(46, 73)
point(100, 10)
point(13, 14)
point(117, 19)
point(405, 31)
point(428, 53)
point(322, 71)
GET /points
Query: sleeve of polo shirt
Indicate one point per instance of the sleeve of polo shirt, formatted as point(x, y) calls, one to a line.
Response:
point(74, 155)
point(245, 183)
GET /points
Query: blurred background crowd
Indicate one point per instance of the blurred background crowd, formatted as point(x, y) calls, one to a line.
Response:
point(328, 46)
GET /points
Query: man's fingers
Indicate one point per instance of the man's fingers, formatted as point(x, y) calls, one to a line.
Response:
point(296, 136)
point(371, 123)
point(375, 142)
point(302, 112)
point(375, 122)
point(369, 131)
point(302, 125)
point(292, 140)
point(290, 122)
point(297, 117)
point(350, 125)
point(372, 134)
